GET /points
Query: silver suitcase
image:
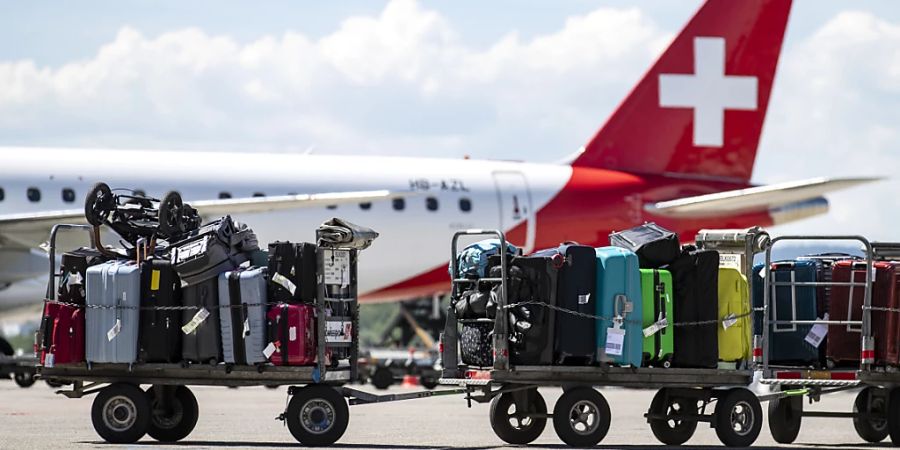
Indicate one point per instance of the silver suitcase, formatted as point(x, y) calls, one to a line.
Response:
point(111, 332)
point(242, 295)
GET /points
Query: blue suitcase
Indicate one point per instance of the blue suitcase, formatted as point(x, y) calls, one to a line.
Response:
point(619, 298)
point(787, 343)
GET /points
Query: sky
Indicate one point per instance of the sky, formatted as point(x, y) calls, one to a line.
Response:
point(525, 80)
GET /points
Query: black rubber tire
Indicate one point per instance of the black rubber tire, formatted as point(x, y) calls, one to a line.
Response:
point(428, 382)
point(894, 416)
point(742, 404)
point(870, 430)
point(669, 431)
point(517, 434)
point(171, 209)
point(5, 348)
point(382, 378)
point(24, 379)
point(95, 208)
point(785, 418)
point(125, 398)
point(326, 412)
point(581, 397)
point(54, 384)
point(180, 423)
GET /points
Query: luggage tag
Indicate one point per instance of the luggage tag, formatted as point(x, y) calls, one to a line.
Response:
point(661, 323)
point(615, 338)
point(114, 331)
point(246, 327)
point(195, 322)
point(269, 350)
point(817, 333)
point(583, 299)
point(49, 360)
point(729, 321)
point(292, 333)
point(284, 282)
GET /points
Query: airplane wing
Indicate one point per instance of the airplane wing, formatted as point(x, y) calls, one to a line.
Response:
point(769, 197)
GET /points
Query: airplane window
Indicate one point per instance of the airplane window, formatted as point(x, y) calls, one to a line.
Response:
point(259, 194)
point(2, 194)
point(331, 206)
point(34, 194)
point(431, 204)
point(465, 205)
point(399, 204)
point(224, 194)
point(365, 206)
point(68, 195)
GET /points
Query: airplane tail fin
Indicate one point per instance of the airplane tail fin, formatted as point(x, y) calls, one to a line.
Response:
point(699, 110)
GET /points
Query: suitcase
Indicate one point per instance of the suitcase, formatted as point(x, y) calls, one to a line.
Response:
point(62, 334)
point(112, 330)
point(654, 245)
point(292, 272)
point(787, 343)
point(575, 285)
point(845, 341)
point(160, 330)
point(201, 341)
point(618, 292)
point(659, 300)
point(214, 248)
point(73, 266)
point(735, 341)
point(695, 282)
point(534, 346)
point(292, 334)
point(242, 295)
point(475, 341)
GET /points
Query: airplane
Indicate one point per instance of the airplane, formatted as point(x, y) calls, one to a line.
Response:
point(678, 151)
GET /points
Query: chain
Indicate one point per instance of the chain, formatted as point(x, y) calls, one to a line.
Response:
point(630, 321)
point(158, 308)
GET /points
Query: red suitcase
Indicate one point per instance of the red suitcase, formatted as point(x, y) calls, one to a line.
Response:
point(62, 328)
point(292, 334)
point(844, 341)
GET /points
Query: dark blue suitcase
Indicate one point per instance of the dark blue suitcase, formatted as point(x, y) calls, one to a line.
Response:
point(787, 343)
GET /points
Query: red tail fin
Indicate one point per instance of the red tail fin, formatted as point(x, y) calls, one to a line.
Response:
point(700, 109)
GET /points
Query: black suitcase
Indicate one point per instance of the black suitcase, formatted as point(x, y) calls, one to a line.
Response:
point(160, 330)
point(654, 245)
point(73, 266)
point(695, 281)
point(203, 344)
point(292, 272)
point(533, 327)
point(574, 343)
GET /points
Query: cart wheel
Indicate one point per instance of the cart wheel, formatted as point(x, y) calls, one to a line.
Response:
point(24, 379)
point(6, 348)
point(171, 221)
point(785, 417)
point(98, 204)
point(54, 384)
point(317, 415)
point(738, 418)
point(429, 382)
point(873, 401)
point(121, 413)
point(581, 417)
point(894, 416)
point(382, 378)
point(176, 421)
point(510, 424)
point(672, 430)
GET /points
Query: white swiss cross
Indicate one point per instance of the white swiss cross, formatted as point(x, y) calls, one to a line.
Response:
point(708, 91)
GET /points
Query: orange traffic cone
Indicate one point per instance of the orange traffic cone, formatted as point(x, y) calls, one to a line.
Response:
point(410, 381)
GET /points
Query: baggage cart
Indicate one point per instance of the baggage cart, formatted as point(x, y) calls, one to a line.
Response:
point(581, 416)
point(20, 368)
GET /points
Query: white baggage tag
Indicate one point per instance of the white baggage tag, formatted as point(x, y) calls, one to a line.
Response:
point(292, 333)
point(583, 299)
point(75, 278)
point(615, 341)
point(269, 350)
point(284, 282)
point(195, 322)
point(345, 276)
point(817, 333)
point(114, 331)
point(729, 321)
point(661, 323)
point(246, 327)
point(49, 360)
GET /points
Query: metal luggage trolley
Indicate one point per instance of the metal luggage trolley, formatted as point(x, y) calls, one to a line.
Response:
point(876, 410)
point(316, 413)
point(581, 416)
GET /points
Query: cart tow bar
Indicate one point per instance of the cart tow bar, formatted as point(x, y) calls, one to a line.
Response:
point(357, 397)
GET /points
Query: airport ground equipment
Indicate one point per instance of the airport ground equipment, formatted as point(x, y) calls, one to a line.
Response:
point(581, 416)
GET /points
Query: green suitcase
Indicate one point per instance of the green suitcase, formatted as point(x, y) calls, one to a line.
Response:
point(656, 287)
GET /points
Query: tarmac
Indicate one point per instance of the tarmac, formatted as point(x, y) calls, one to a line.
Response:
point(36, 418)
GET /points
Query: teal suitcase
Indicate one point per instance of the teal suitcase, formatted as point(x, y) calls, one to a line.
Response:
point(619, 338)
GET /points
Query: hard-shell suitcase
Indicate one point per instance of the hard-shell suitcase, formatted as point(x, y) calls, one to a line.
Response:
point(242, 294)
point(160, 330)
point(114, 289)
point(476, 342)
point(73, 266)
point(292, 334)
point(787, 342)
point(216, 247)
point(534, 342)
point(618, 291)
point(654, 245)
point(695, 279)
point(659, 301)
point(201, 341)
point(735, 341)
point(575, 292)
point(62, 331)
point(845, 341)
point(292, 272)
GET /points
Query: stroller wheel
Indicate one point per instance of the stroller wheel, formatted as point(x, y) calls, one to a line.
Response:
point(171, 214)
point(98, 204)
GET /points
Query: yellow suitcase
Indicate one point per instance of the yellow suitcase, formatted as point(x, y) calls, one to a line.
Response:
point(734, 301)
